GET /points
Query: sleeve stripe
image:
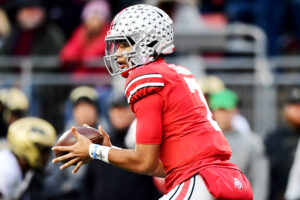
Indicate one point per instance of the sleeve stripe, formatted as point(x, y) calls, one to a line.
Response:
point(143, 86)
point(141, 77)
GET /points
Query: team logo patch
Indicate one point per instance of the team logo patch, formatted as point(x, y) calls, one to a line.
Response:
point(237, 184)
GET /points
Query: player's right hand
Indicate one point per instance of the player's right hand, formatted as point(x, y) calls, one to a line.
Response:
point(106, 138)
point(77, 154)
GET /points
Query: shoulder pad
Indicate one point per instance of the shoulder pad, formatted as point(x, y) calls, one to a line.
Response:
point(141, 83)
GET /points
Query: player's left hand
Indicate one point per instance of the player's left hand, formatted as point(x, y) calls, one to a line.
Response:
point(77, 154)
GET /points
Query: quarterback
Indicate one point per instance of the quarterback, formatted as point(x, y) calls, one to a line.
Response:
point(176, 136)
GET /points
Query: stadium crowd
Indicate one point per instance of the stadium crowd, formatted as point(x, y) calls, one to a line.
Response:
point(74, 31)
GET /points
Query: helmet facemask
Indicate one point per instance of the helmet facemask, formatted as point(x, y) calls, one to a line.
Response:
point(110, 60)
point(141, 52)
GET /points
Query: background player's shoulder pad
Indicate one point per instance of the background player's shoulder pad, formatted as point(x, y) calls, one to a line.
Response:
point(142, 82)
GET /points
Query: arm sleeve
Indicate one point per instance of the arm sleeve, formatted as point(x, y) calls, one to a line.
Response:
point(148, 112)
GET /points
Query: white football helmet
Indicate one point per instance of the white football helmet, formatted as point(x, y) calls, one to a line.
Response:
point(147, 29)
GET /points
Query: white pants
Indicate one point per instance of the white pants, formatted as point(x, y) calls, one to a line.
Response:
point(192, 189)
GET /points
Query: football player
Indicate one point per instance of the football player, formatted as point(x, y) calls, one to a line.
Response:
point(176, 136)
point(30, 140)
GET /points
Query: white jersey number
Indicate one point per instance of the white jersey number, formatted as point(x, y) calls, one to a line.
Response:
point(193, 85)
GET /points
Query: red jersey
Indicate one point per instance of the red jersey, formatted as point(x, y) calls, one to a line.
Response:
point(189, 138)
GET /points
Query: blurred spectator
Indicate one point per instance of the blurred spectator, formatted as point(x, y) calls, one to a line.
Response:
point(245, 11)
point(85, 102)
point(247, 150)
point(212, 84)
point(120, 115)
point(292, 191)
point(33, 34)
point(66, 13)
point(29, 140)
point(281, 145)
point(85, 106)
point(4, 26)
point(107, 182)
point(85, 110)
point(281, 25)
point(83, 51)
point(15, 104)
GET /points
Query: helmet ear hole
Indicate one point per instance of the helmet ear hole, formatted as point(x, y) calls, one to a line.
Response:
point(152, 44)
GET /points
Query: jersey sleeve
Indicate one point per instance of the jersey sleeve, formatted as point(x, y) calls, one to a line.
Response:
point(149, 119)
point(141, 83)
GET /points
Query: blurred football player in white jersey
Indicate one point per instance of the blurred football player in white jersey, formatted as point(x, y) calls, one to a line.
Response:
point(30, 140)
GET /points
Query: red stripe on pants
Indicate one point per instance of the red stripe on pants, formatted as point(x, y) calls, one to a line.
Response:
point(184, 190)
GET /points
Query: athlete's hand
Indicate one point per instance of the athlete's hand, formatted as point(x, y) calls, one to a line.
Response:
point(77, 154)
point(106, 138)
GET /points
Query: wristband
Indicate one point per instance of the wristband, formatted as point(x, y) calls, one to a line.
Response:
point(99, 152)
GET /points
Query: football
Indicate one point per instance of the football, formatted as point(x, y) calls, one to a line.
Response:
point(68, 139)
